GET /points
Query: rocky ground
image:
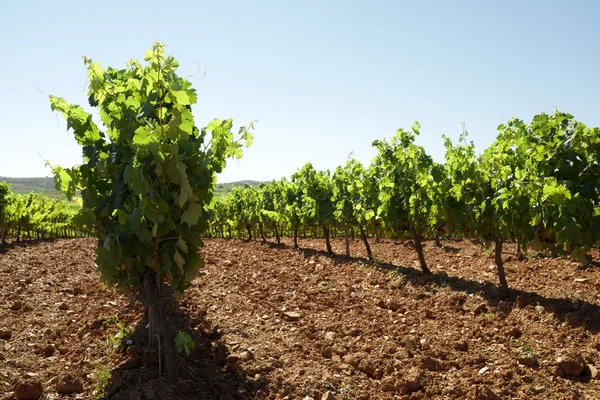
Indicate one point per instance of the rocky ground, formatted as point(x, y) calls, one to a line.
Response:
point(271, 322)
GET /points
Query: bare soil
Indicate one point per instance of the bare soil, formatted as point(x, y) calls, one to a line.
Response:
point(271, 322)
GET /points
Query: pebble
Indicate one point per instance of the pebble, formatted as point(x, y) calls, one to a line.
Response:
point(292, 315)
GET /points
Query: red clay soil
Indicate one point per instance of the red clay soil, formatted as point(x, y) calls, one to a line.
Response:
point(271, 322)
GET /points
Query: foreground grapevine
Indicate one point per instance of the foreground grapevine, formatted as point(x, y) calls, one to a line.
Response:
point(148, 178)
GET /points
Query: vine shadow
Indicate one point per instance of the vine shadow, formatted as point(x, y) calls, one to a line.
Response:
point(210, 371)
point(578, 313)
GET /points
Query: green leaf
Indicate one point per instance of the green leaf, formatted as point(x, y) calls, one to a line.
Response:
point(184, 342)
point(179, 260)
point(179, 97)
point(182, 246)
point(192, 214)
point(186, 190)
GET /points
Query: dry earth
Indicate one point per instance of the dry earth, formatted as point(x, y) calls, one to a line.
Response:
point(270, 321)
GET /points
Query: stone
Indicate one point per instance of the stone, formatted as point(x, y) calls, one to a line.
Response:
point(328, 396)
point(232, 359)
point(521, 301)
point(432, 364)
point(413, 380)
point(77, 291)
point(514, 332)
point(592, 371)
point(16, 306)
point(292, 315)
point(539, 309)
point(571, 365)
point(528, 361)
point(5, 335)
point(461, 345)
point(394, 306)
point(47, 350)
point(69, 384)
point(63, 306)
point(483, 392)
point(246, 355)
point(330, 335)
point(2, 358)
point(327, 352)
point(388, 384)
point(28, 389)
point(480, 309)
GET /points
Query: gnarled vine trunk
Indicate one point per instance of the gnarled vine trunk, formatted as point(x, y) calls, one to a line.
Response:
point(363, 235)
point(327, 242)
point(500, 264)
point(277, 235)
point(159, 325)
point(347, 235)
point(419, 248)
point(295, 238)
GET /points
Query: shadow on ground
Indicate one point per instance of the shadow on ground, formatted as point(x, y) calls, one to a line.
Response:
point(210, 371)
point(577, 313)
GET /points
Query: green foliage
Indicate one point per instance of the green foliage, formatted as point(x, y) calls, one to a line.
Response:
point(355, 195)
point(317, 194)
point(406, 177)
point(244, 207)
point(537, 183)
point(184, 342)
point(148, 177)
point(33, 213)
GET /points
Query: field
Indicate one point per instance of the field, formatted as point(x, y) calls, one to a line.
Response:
point(271, 322)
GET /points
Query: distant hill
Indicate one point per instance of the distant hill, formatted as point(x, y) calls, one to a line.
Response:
point(45, 186)
point(224, 188)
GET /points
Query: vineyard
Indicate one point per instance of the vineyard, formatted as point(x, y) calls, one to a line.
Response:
point(476, 277)
point(537, 185)
point(33, 216)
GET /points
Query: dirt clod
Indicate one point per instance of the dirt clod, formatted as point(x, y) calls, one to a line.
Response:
point(69, 384)
point(571, 365)
point(413, 380)
point(360, 335)
point(28, 389)
point(528, 361)
point(483, 392)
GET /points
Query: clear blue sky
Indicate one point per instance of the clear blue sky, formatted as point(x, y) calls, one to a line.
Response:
point(322, 78)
